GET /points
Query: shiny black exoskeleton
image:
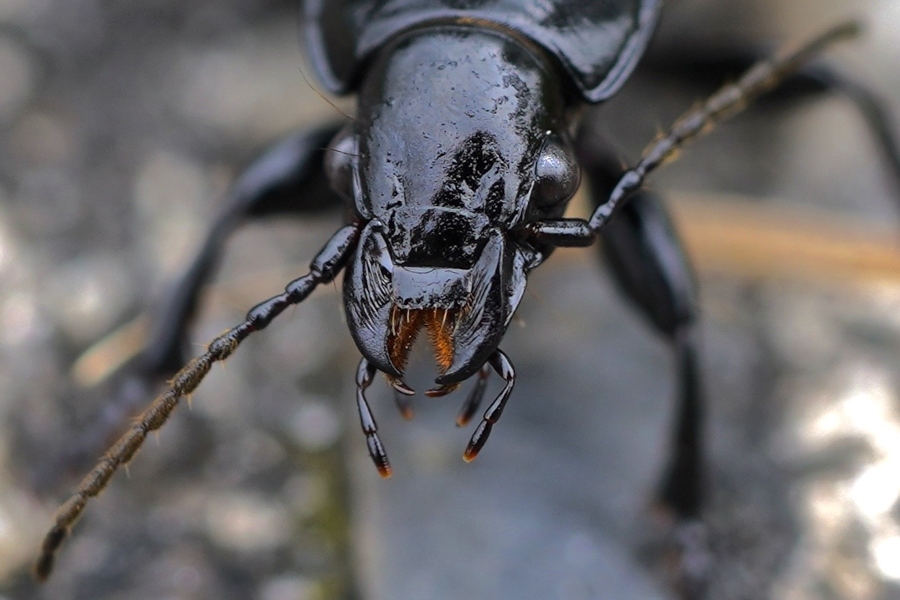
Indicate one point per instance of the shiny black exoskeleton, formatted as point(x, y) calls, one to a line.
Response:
point(458, 167)
point(462, 140)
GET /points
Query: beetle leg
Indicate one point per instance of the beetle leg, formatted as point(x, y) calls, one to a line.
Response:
point(475, 396)
point(501, 364)
point(365, 373)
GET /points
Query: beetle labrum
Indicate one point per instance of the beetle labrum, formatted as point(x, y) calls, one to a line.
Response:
point(459, 166)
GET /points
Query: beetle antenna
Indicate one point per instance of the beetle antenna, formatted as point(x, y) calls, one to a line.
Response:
point(728, 101)
point(323, 268)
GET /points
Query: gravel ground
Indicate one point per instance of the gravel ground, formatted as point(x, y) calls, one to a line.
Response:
point(122, 122)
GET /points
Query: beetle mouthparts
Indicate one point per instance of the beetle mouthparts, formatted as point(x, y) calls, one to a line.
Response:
point(405, 326)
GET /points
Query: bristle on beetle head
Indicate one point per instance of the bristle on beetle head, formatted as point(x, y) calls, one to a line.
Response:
point(405, 326)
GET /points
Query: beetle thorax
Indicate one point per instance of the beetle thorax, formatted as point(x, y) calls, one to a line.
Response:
point(450, 126)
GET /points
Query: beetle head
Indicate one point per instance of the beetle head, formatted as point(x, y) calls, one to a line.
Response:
point(460, 140)
point(464, 311)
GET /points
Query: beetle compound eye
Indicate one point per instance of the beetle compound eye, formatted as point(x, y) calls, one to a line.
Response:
point(340, 161)
point(557, 173)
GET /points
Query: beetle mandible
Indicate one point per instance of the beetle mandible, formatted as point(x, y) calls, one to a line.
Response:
point(459, 166)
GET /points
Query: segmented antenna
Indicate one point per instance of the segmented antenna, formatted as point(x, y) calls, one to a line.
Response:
point(323, 269)
point(728, 101)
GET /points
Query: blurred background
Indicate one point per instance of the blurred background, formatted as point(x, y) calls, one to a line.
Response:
point(121, 123)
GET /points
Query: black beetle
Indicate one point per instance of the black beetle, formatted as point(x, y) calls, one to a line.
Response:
point(459, 166)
